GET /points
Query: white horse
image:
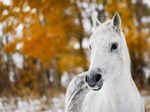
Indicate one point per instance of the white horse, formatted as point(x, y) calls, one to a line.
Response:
point(107, 86)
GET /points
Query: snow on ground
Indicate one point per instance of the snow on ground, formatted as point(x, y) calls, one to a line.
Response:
point(146, 97)
point(43, 104)
point(147, 101)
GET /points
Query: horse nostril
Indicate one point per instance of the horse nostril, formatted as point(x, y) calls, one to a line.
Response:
point(86, 78)
point(90, 81)
point(98, 77)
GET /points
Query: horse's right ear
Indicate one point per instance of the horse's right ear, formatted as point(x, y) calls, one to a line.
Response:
point(116, 20)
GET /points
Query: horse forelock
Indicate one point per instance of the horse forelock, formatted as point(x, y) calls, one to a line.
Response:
point(106, 27)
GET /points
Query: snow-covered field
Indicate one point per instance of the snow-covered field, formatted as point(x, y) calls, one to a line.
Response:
point(43, 104)
point(146, 97)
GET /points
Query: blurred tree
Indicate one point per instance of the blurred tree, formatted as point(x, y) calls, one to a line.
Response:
point(49, 32)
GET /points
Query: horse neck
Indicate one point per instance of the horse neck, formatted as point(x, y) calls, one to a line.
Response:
point(125, 72)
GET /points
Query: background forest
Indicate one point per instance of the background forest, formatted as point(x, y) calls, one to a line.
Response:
point(44, 43)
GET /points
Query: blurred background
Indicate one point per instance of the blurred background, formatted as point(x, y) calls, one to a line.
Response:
point(44, 44)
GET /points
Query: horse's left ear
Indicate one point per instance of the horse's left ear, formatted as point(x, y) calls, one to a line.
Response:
point(95, 22)
point(116, 20)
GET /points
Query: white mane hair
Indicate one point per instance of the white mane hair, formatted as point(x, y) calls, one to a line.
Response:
point(118, 92)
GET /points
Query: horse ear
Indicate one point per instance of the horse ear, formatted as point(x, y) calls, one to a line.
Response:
point(95, 21)
point(116, 20)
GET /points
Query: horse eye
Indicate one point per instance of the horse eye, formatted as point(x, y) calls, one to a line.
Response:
point(114, 46)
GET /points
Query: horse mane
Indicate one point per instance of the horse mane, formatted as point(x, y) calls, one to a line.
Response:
point(76, 93)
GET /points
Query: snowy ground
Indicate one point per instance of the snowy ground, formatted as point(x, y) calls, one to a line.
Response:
point(42, 104)
point(146, 97)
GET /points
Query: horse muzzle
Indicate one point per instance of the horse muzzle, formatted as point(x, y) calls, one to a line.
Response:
point(94, 79)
